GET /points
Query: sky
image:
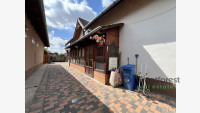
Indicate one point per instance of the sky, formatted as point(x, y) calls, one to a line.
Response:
point(62, 15)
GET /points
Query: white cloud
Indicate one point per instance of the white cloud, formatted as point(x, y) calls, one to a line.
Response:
point(63, 14)
point(57, 44)
point(106, 3)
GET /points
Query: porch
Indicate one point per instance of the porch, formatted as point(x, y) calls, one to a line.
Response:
point(92, 58)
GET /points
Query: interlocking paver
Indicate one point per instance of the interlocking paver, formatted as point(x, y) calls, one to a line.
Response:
point(62, 84)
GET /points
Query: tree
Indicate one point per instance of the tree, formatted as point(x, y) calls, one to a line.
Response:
point(61, 54)
point(45, 51)
point(56, 53)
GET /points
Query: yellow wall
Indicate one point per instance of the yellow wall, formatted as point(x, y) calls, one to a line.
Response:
point(33, 54)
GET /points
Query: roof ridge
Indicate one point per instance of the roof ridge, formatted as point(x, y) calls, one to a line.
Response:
point(83, 21)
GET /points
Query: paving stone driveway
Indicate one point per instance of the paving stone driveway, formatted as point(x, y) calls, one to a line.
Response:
point(65, 90)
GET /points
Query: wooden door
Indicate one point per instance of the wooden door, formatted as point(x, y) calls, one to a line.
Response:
point(89, 61)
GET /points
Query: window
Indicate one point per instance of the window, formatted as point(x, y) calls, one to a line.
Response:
point(83, 52)
point(79, 52)
point(113, 50)
point(77, 60)
point(90, 62)
point(37, 44)
point(77, 56)
point(100, 64)
point(73, 60)
point(33, 39)
point(81, 61)
point(99, 58)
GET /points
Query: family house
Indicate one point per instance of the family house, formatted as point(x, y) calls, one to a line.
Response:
point(123, 29)
point(36, 37)
point(90, 57)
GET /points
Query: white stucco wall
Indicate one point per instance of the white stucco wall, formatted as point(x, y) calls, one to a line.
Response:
point(151, 33)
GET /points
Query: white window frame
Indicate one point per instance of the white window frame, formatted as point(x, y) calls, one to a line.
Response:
point(37, 44)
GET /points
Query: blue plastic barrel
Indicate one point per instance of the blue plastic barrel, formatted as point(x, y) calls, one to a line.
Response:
point(128, 72)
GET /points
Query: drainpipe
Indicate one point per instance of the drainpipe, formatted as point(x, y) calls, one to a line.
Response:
point(136, 56)
point(69, 56)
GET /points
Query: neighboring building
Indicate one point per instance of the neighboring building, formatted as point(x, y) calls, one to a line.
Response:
point(144, 27)
point(66, 54)
point(56, 54)
point(36, 37)
point(51, 54)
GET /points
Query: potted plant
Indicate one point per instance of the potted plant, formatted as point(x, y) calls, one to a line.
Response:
point(99, 39)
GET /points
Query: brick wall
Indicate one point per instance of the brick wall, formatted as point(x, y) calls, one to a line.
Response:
point(97, 75)
point(100, 77)
point(31, 70)
point(80, 68)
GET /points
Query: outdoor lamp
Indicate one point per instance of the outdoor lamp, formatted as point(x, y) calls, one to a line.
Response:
point(136, 55)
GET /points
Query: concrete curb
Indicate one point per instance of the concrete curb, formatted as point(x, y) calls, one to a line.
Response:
point(31, 85)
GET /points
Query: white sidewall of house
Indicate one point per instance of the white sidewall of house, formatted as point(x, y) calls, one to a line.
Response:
point(152, 37)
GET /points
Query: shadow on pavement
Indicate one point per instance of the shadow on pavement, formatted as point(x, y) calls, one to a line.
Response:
point(66, 94)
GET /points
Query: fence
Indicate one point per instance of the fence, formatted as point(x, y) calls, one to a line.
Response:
point(45, 59)
point(59, 59)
